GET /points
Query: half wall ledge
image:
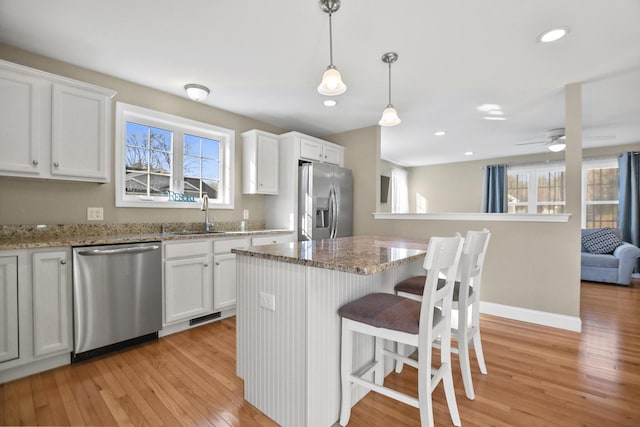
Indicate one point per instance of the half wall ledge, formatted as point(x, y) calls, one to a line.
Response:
point(467, 216)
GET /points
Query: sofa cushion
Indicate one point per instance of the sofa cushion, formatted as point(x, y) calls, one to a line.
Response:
point(598, 260)
point(602, 241)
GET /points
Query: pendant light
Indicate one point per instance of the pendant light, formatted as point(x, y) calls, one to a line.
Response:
point(389, 115)
point(331, 84)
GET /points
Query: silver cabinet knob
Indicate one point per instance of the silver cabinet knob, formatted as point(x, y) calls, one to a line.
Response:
point(217, 263)
point(35, 163)
point(206, 265)
point(55, 164)
point(63, 262)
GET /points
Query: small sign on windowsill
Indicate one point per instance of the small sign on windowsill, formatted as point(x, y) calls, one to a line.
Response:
point(181, 197)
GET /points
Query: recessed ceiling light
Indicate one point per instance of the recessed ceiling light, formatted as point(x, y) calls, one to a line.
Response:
point(468, 153)
point(553, 34)
point(330, 102)
point(489, 107)
point(495, 112)
point(440, 133)
point(494, 118)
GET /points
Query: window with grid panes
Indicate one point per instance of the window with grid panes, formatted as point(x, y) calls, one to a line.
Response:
point(169, 161)
point(600, 193)
point(536, 188)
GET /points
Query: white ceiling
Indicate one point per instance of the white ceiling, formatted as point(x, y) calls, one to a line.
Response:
point(264, 59)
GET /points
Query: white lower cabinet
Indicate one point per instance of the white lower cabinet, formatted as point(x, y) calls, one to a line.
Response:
point(35, 311)
point(51, 302)
point(9, 308)
point(224, 276)
point(188, 280)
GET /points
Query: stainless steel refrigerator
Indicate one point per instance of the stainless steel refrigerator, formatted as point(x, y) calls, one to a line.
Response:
point(325, 202)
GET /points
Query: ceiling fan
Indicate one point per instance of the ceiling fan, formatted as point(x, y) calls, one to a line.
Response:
point(555, 140)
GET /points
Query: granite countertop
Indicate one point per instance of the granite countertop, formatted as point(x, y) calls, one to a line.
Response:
point(33, 237)
point(359, 254)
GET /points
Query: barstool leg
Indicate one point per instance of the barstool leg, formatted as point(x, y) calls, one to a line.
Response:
point(379, 359)
point(346, 360)
point(447, 378)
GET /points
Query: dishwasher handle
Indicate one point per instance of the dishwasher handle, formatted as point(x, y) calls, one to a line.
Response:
point(130, 250)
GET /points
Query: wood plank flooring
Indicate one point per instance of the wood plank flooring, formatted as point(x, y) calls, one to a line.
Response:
point(538, 376)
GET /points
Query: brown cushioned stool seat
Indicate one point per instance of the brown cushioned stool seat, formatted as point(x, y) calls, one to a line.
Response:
point(415, 285)
point(387, 311)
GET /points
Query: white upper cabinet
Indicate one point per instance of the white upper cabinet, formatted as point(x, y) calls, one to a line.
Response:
point(79, 146)
point(317, 150)
point(260, 154)
point(53, 127)
point(20, 123)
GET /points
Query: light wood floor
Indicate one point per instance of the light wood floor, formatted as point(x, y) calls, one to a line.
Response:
point(538, 376)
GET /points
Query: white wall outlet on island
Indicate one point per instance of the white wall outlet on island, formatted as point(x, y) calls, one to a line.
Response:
point(268, 301)
point(95, 214)
point(245, 214)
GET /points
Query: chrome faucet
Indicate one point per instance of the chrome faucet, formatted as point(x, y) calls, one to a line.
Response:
point(208, 226)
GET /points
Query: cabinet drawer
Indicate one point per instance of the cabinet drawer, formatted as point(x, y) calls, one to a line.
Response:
point(270, 240)
point(187, 249)
point(225, 246)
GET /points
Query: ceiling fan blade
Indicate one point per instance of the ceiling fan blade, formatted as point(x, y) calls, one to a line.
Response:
point(533, 142)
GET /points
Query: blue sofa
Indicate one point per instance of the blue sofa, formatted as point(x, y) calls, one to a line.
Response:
point(609, 268)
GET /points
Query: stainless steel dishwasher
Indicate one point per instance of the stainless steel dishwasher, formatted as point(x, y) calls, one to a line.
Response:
point(117, 297)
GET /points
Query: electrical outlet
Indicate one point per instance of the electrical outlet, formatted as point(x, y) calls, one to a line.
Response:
point(268, 301)
point(95, 214)
point(245, 214)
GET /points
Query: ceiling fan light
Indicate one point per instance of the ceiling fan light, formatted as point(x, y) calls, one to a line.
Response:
point(553, 34)
point(332, 83)
point(557, 146)
point(196, 92)
point(389, 117)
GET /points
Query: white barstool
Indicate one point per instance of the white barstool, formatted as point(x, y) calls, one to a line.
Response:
point(466, 296)
point(403, 320)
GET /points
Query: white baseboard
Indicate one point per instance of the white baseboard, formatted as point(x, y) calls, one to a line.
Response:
point(544, 318)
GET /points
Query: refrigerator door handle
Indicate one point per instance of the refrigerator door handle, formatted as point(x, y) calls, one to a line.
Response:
point(333, 206)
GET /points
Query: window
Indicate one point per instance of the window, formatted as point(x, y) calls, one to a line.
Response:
point(169, 161)
point(600, 193)
point(537, 188)
point(399, 191)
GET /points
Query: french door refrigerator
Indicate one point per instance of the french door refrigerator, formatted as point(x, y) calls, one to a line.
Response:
point(325, 202)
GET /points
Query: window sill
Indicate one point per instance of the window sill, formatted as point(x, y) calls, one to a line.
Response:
point(467, 216)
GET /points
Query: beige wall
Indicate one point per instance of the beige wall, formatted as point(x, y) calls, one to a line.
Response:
point(30, 201)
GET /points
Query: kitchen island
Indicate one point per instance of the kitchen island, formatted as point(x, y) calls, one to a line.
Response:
point(288, 329)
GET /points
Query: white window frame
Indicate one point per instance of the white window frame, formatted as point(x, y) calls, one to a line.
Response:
point(595, 163)
point(179, 126)
point(399, 191)
point(532, 170)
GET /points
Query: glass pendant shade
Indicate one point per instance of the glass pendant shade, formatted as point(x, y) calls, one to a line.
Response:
point(389, 117)
point(332, 83)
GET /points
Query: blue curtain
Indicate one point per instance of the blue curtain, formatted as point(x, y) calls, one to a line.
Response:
point(629, 197)
point(494, 189)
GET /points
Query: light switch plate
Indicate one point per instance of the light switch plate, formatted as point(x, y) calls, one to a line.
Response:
point(245, 214)
point(95, 214)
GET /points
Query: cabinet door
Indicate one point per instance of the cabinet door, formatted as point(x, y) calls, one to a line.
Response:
point(79, 139)
point(20, 124)
point(310, 150)
point(331, 155)
point(267, 163)
point(224, 281)
point(187, 288)
point(8, 308)
point(51, 303)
